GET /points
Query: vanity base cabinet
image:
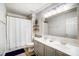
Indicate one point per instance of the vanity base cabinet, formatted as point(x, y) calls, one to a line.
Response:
point(49, 51)
point(43, 50)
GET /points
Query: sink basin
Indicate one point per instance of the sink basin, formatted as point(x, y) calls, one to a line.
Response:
point(50, 40)
point(56, 42)
point(59, 42)
point(63, 43)
point(53, 40)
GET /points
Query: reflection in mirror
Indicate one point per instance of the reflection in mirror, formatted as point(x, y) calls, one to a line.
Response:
point(63, 24)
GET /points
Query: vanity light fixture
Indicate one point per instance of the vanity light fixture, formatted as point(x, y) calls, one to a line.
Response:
point(59, 9)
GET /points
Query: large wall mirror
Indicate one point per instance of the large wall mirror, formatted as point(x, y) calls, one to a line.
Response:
point(64, 24)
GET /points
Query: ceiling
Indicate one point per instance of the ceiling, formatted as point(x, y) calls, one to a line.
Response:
point(26, 8)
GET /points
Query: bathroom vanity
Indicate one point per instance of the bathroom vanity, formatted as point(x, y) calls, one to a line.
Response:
point(64, 30)
point(55, 47)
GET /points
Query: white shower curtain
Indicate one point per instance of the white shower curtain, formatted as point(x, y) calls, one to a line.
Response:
point(19, 32)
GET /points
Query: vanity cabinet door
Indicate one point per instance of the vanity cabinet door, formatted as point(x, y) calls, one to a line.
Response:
point(40, 49)
point(59, 53)
point(36, 47)
point(49, 51)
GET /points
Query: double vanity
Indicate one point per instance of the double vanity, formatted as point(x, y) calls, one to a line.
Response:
point(56, 46)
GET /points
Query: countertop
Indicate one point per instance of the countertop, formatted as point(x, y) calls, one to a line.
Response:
point(65, 45)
